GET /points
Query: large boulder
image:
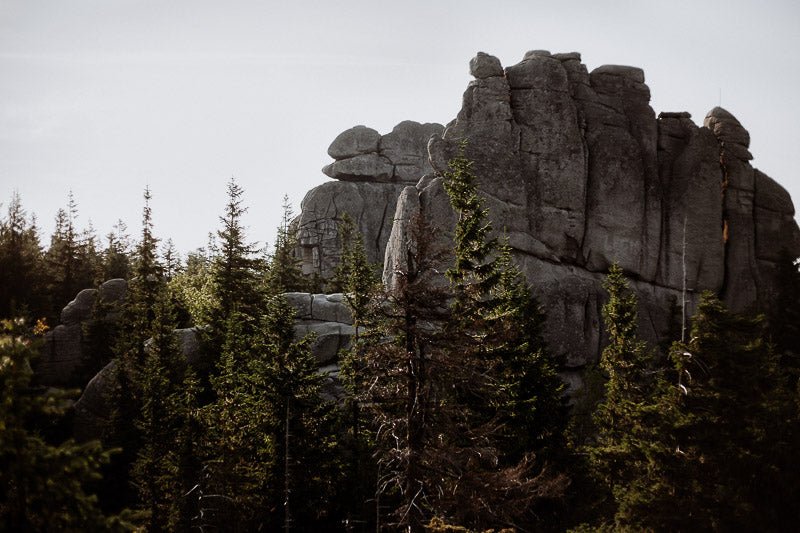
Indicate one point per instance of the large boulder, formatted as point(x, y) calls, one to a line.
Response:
point(579, 173)
point(370, 171)
point(362, 154)
point(370, 205)
point(67, 358)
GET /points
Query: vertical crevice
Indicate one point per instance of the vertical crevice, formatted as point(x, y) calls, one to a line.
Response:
point(723, 165)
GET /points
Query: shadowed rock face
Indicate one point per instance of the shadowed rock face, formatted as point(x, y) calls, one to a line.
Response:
point(579, 171)
point(66, 359)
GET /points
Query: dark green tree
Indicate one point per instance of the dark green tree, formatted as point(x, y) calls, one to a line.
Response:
point(117, 254)
point(498, 322)
point(271, 435)
point(71, 258)
point(739, 422)
point(234, 270)
point(357, 279)
point(283, 272)
point(22, 269)
point(44, 486)
point(616, 451)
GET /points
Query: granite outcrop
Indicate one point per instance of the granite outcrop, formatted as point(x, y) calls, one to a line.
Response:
point(579, 172)
point(370, 170)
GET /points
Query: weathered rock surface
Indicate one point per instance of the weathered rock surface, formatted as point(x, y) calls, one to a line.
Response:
point(327, 316)
point(65, 359)
point(362, 154)
point(580, 173)
point(371, 170)
point(371, 206)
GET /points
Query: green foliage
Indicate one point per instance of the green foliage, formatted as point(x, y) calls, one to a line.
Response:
point(283, 273)
point(498, 323)
point(193, 288)
point(476, 271)
point(270, 435)
point(44, 486)
point(22, 268)
point(234, 267)
point(116, 257)
point(72, 258)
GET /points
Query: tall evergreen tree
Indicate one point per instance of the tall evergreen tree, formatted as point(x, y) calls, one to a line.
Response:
point(738, 423)
point(22, 281)
point(497, 322)
point(116, 256)
point(44, 486)
point(71, 258)
point(630, 453)
point(234, 268)
point(270, 434)
point(357, 279)
point(283, 271)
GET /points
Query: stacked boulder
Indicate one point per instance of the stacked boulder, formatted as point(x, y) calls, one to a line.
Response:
point(370, 170)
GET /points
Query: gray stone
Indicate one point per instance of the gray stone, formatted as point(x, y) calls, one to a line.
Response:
point(579, 173)
point(80, 308)
point(530, 54)
point(365, 167)
point(371, 206)
point(406, 148)
point(726, 127)
point(93, 409)
point(326, 310)
point(485, 66)
point(634, 74)
point(301, 301)
point(355, 141)
point(538, 72)
point(330, 338)
point(189, 341)
point(397, 246)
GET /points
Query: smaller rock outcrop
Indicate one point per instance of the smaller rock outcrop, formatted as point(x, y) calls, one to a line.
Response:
point(324, 315)
point(371, 169)
point(66, 359)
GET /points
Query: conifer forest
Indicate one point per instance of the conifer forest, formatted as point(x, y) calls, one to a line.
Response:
point(447, 411)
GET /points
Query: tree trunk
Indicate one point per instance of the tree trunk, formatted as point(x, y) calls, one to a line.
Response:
point(287, 471)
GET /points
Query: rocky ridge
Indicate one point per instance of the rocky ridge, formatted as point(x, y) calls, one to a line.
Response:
point(580, 172)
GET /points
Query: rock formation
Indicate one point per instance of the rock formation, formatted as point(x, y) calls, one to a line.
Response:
point(66, 359)
point(324, 315)
point(371, 170)
point(579, 172)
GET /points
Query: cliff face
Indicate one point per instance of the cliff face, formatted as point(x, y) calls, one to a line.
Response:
point(580, 172)
point(370, 171)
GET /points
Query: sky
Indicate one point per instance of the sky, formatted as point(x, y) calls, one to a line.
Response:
point(107, 97)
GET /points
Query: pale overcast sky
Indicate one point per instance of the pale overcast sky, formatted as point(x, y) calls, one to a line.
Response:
point(105, 97)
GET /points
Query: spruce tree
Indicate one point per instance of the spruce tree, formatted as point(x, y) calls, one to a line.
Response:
point(739, 422)
point(44, 486)
point(498, 322)
point(234, 268)
point(116, 256)
point(65, 259)
point(616, 452)
point(283, 272)
point(22, 269)
point(357, 279)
